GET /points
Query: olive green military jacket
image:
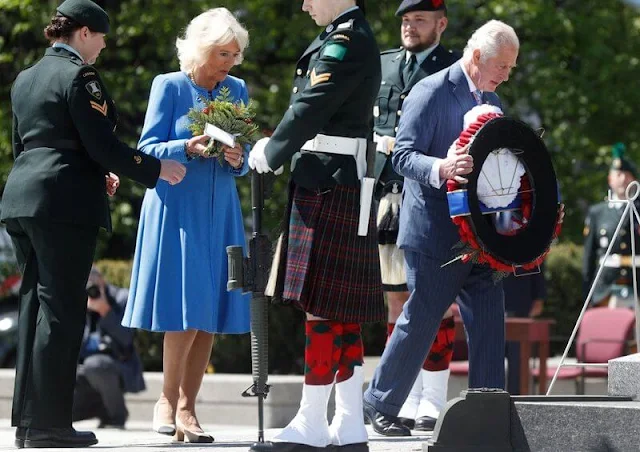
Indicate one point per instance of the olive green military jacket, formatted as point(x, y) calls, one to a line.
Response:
point(335, 85)
point(64, 144)
point(388, 106)
point(600, 224)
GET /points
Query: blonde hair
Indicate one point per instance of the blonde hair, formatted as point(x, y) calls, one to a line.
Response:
point(489, 39)
point(212, 28)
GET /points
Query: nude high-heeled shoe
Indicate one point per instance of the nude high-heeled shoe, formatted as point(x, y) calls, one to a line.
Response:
point(159, 426)
point(190, 436)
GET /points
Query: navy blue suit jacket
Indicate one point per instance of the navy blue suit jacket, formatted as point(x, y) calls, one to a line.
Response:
point(432, 118)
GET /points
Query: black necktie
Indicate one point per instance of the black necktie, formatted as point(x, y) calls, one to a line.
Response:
point(408, 69)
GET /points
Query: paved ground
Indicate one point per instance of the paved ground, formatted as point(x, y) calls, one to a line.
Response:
point(138, 437)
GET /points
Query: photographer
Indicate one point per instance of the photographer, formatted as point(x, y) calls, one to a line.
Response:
point(109, 364)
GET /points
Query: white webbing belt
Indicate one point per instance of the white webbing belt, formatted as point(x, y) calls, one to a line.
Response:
point(384, 146)
point(618, 260)
point(357, 148)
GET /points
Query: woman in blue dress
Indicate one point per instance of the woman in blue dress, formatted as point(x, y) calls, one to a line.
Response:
point(178, 284)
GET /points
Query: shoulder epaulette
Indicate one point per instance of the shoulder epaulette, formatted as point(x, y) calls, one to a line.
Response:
point(390, 51)
point(348, 25)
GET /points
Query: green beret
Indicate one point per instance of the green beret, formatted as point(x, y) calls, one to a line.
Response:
point(620, 162)
point(86, 13)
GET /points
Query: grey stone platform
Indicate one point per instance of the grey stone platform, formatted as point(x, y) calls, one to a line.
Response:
point(624, 376)
point(581, 426)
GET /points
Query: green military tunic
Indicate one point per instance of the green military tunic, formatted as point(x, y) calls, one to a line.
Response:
point(336, 80)
point(388, 107)
point(53, 204)
point(63, 144)
point(616, 278)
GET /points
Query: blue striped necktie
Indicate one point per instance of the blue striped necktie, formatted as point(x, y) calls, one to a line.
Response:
point(477, 95)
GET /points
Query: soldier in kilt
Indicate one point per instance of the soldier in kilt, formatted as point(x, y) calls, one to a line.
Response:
point(421, 54)
point(327, 269)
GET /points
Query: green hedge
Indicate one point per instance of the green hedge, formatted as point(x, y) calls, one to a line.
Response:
point(565, 298)
point(232, 353)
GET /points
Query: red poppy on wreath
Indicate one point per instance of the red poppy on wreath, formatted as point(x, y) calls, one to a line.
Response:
point(502, 220)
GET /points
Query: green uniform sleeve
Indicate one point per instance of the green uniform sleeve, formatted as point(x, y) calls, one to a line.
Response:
point(89, 107)
point(338, 70)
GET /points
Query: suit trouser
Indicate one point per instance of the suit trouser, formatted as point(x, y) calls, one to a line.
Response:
point(432, 288)
point(512, 353)
point(55, 260)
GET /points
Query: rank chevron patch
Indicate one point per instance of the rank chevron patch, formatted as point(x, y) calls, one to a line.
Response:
point(101, 108)
point(319, 78)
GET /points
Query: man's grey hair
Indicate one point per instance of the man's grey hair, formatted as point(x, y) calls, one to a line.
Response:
point(212, 28)
point(490, 39)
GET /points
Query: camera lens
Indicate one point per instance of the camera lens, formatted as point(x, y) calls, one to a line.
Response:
point(93, 291)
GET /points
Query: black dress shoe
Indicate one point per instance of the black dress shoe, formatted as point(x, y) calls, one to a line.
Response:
point(112, 423)
point(287, 447)
point(384, 424)
point(58, 437)
point(409, 423)
point(20, 434)
point(425, 423)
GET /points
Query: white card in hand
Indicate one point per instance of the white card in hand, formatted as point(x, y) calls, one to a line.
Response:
point(220, 135)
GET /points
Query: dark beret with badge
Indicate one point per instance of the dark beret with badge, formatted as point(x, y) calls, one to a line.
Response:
point(620, 162)
point(86, 13)
point(408, 6)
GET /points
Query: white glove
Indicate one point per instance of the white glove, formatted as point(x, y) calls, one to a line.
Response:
point(257, 157)
point(384, 143)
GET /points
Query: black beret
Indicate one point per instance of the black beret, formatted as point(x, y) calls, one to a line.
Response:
point(86, 13)
point(420, 5)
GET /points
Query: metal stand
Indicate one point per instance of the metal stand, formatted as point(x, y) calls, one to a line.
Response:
point(251, 275)
point(630, 210)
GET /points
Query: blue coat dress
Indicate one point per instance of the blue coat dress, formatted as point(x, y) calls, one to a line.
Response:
point(179, 277)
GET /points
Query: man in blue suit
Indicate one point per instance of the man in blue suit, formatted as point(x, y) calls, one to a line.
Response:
point(432, 120)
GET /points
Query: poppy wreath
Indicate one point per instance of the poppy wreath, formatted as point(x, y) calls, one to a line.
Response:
point(526, 245)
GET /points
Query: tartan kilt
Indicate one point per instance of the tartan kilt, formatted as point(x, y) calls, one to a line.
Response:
point(331, 272)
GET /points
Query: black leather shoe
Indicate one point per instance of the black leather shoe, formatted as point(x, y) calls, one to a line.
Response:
point(20, 434)
point(286, 447)
point(112, 423)
point(425, 423)
point(409, 423)
point(58, 437)
point(384, 424)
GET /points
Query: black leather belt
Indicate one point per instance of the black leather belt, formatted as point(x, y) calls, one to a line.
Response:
point(55, 144)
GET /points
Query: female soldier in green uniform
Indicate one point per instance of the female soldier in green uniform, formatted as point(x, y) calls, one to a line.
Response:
point(53, 204)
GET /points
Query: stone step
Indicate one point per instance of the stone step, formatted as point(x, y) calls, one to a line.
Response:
point(624, 376)
point(577, 426)
point(220, 401)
